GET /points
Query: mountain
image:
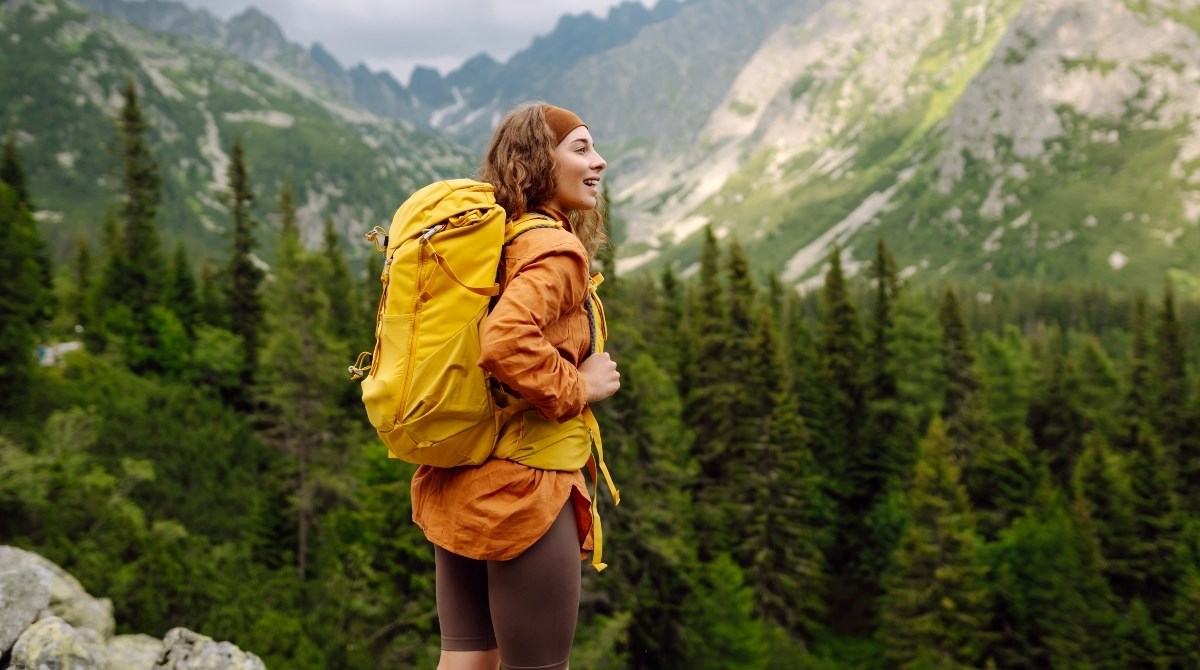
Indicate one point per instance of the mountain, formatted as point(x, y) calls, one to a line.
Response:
point(64, 68)
point(999, 139)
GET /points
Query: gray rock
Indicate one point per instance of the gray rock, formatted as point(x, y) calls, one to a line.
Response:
point(52, 644)
point(24, 593)
point(68, 599)
point(186, 650)
point(131, 652)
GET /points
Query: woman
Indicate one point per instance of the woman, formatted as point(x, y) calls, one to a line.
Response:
point(508, 537)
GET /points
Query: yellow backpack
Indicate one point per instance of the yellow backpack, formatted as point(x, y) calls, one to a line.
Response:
point(423, 392)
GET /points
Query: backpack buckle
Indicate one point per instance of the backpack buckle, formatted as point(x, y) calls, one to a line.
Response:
point(431, 231)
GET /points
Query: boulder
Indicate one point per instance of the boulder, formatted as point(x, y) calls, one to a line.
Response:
point(68, 599)
point(131, 652)
point(186, 650)
point(24, 593)
point(52, 644)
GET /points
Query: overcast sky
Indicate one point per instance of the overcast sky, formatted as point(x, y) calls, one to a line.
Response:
point(399, 34)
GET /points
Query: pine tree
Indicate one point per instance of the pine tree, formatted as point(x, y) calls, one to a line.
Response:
point(1056, 419)
point(142, 268)
point(738, 484)
point(1157, 528)
point(1182, 634)
point(707, 407)
point(181, 293)
point(1138, 405)
point(1171, 380)
point(780, 536)
point(20, 313)
point(297, 386)
point(339, 286)
point(891, 430)
point(1138, 642)
point(1103, 488)
point(935, 601)
point(13, 174)
point(1052, 602)
point(837, 446)
point(243, 302)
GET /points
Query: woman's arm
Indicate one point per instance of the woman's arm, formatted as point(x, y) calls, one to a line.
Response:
point(550, 282)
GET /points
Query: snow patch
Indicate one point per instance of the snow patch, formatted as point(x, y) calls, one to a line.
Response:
point(634, 262)
point(66, 159)
point(817, 250)
point(992, 243)
point(275, 119)
point(47, 216)
point(1021, 220)
point(1117, 260)
point(1169, 237)
point(1091, 221)
point(210, 149)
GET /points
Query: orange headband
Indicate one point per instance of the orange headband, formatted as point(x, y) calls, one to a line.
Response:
point(562, 121)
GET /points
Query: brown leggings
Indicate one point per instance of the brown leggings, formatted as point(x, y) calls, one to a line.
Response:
point(526, 606)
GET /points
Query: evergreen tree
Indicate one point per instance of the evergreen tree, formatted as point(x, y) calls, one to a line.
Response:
point(22, 294)
point(1099, 382)
point(935, 602)
point(298, 388)
point(1053, 604)
point(13, 175)
point(338, 285)
point(739, 481)
point(707, 408)
point(1138, 405)
point(1056, 419)
point(80, 301)
point(962, 409)
point(891, 429)
point(243, 302)
point(723, 632)
point(140, 284)
point(1103, 488)
point(837, 446)
point(671, 340)
point(1183, 631)
point(181, 292)
point(1154, 559)
point(781, 523)
point(1171, 379)
point(1138, 642)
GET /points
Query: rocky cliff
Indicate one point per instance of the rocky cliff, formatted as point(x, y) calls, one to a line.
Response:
point(48, 621)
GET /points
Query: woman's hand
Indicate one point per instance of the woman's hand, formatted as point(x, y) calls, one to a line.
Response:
point(599, 372)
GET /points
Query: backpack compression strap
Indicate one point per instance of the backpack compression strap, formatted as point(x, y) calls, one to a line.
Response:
point(596, 461)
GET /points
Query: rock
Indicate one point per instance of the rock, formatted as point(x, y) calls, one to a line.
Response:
point(24, 593)
point(68, 599)
point(52, 644)
point(186, 650)
point(131, 652)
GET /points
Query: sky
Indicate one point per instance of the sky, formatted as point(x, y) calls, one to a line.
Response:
point(398, 35)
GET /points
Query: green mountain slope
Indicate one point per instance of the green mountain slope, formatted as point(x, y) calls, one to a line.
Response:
point(1052, 140)
point(63, 68)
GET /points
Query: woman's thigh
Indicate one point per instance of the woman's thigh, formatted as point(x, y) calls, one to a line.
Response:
point(462, 602)
point(534, 598)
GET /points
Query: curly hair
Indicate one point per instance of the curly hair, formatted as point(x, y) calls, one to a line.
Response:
point(519, 164)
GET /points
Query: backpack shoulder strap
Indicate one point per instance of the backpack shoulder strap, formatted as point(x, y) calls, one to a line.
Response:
point(524, 224)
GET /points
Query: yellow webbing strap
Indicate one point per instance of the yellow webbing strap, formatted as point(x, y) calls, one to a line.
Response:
point(486, 291)
point(594, 460)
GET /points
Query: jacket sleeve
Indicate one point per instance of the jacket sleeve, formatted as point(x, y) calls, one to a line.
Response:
point(548, 283)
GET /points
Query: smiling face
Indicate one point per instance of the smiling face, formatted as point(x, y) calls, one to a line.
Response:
point(578, 174)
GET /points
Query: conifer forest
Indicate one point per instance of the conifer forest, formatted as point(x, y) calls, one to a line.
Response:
point(871, 475)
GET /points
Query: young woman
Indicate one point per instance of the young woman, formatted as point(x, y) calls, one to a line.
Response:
point(509, 535)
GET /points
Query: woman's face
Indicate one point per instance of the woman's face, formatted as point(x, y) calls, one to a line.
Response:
point(579, 166)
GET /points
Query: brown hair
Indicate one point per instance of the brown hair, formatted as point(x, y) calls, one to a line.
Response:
point(519, 164)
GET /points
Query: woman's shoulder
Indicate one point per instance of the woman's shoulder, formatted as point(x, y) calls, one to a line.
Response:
point(541, 235)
